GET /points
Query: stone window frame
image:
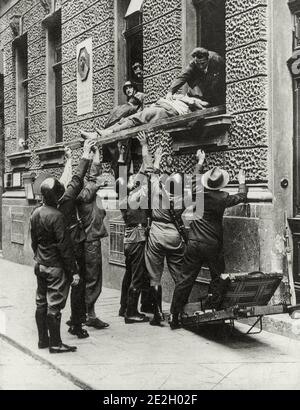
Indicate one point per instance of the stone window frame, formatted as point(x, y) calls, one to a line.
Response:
point(20, 51)
point(53, 153)
point(191, 30)
point(122, 73)
point(53, 28)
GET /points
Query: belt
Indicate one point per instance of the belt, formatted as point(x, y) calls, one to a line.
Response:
point(162, 221)
point(136, 226)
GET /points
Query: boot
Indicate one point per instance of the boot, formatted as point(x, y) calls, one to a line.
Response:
point(76, 330)
point(41, 321)
point(122, 311)
point(158, 314)
point(132, 314)
point(56, 345)
point(147, 305)
point(174, 321)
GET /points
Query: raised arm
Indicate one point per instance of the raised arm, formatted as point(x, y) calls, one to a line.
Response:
point(241, 196)
point(76, 184)
point(201, 158)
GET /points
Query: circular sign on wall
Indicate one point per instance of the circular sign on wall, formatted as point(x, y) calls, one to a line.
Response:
point(83, 64)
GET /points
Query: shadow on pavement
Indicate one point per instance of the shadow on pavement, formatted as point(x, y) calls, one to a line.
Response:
point(226, 334)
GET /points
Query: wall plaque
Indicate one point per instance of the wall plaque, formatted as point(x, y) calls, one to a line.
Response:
point(84, 70)
point(17, 228)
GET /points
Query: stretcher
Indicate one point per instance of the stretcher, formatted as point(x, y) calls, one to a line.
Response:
point(247, 296)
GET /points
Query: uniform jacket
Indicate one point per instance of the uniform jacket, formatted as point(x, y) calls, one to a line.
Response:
point(211, 83)
point(51, 242)
point(90, 211)
point(67, 204)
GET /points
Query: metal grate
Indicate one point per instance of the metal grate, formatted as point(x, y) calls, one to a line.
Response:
point(116, 245)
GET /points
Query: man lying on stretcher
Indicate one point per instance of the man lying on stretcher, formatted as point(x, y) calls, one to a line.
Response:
point(162, 109)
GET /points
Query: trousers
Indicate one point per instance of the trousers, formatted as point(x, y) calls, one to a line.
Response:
point(135, 276)
point(164, 242)
point(93, 273)
point(78, 307)
point(196, 254)
point(52, 289)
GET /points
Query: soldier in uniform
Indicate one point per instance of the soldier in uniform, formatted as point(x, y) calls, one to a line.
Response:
point(92, 216)
point(67, 205)
point(55, 261)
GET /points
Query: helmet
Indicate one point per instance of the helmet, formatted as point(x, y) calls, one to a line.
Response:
point(128, 84)
point(52, 190)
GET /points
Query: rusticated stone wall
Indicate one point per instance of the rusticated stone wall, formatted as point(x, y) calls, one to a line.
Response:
point(33, 14)
point(81, 20)
point(247, 86)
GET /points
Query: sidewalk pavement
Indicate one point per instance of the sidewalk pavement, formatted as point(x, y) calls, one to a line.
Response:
point(142, 357)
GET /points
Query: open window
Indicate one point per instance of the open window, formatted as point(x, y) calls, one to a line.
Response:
point(21, 61)
point(128, 44)
point(134, 42)
point(54, 78)
point(210, 20)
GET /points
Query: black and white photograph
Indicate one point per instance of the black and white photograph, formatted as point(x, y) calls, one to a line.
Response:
point(149, 198)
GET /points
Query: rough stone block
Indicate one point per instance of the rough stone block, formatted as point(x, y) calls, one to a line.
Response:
point(9, 98)
point(69, 92)
point(162, 58)
point(247, 95)
point(37, 67)
point(10, 131)
point(245, 62)
point(153, 9)
point(37, 122)
point(158, 86)
point(33, 16)
point(72, 131)
point(246, 28)
point(103, 104)
point(88, 18)
point(36, 49)
point(7, 36)
point(37, 103)
point(249, 130)
point(35, 33)
point(242, 244)
point(71, 8)
point(162, 30)
point(253, 160)
point(238, 7)
point(103, 80)
point(9, 66)
point(37, 85)
point(10, 114)
point(102, 33)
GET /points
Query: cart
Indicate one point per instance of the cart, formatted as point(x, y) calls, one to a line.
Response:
point(247, 296)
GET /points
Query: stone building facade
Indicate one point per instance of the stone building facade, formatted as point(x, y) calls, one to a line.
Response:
point(255, 37)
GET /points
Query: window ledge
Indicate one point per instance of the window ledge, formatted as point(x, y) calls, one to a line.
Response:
point(211, 132)
point(180, 126)
point(20, 159)
point(174, 124)
point(51, 155)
